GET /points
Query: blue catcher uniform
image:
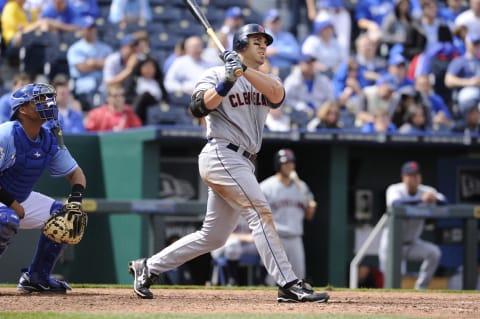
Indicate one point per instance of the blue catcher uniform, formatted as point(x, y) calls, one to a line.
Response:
point(22, 161)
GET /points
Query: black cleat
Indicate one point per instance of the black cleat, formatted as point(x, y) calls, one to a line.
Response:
point(301, 292)
point(142, 280)
point(51, 285)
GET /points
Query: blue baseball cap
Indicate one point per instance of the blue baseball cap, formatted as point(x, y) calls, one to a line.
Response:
point(234, 12)
point(128, 39)
point(271, 15)
point(86, 22)
point(306, 58)
point(410, 168)
point(397, 59)
point(321, 24)
point(389, 79)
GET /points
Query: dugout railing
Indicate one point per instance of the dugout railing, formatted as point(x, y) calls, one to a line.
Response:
point(470, 215)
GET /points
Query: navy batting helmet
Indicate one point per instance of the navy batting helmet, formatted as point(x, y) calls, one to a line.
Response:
point(284, 155)
point(240, 39)
point(43, 95)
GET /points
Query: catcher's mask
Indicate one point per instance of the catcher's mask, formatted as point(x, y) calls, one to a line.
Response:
point(44, 97)
point(284, 155)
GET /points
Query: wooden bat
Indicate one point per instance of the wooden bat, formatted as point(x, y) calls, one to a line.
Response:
point(192, 5)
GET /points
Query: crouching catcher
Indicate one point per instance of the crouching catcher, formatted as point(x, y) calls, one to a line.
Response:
point(30, 143)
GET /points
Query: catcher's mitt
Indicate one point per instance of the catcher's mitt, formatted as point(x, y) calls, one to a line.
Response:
point(68, 225)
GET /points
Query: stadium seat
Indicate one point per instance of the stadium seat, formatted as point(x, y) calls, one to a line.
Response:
point(166, 14)
point(185, 28)
point(167, 114)
point(180, 99)
point(163, 41)
point(228, 3)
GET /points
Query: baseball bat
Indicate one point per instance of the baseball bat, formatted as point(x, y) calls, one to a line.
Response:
point(193, 7)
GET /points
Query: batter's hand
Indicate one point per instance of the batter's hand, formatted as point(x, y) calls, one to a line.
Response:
point(232, 57)
point(231, 66)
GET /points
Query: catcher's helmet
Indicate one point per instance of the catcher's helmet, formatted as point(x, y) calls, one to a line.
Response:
point(284, 155)
point(240, 39)
point(43, 95)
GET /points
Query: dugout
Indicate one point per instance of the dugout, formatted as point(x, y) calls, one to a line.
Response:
point(342, 169)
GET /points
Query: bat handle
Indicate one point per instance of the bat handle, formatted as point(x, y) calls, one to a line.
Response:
point(238, 72)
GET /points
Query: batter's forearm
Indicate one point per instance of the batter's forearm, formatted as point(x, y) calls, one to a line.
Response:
point(270, 87)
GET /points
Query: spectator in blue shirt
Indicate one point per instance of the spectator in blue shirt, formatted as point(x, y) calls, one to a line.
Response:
point(86, 59)
point(381, 123)
point(285, 50)
point(63, 13)
point(463, 72)
point(86, 8)
point(369, 15)
point(123, 12)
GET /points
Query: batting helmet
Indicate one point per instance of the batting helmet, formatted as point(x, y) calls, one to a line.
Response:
point(43, 95)
point(284, 155)
point(240, 39)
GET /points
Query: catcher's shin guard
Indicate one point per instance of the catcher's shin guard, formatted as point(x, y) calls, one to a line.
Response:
point(9, 223)
point(45, 258)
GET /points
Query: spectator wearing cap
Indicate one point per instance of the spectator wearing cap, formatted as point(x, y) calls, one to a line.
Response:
point(411, 192)
point(285, 49)
point(323, 45)
point(233, 20)
point(376, 97)
point(336, 11)
point(120, 64)
point(462, 74)
point(123, 12)
point(86, 58)
point(305, 90)
point(397, 66)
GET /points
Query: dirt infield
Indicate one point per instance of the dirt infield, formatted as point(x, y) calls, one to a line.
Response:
point(101, 300)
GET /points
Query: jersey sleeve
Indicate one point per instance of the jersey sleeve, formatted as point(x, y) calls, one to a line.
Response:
point(7, 146)
point(62, 163)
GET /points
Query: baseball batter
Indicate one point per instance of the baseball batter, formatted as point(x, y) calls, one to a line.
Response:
point(291, 201)
point(411, 191)
point(235, 111)
point(27, 148)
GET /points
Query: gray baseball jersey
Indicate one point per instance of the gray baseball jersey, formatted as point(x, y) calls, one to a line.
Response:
point(288, 203)
point(233, 129)
point(413, 248)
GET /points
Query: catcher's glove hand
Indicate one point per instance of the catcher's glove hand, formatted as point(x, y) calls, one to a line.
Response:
point(68, 225)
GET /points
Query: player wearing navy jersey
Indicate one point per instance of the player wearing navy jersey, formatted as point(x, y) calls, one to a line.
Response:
point(235, 110)
point(27, 148)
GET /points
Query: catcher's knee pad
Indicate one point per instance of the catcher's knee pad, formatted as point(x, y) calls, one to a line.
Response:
point(9, 223)
point(56, 207)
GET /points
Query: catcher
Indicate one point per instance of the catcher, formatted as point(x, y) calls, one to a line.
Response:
point(29, 143)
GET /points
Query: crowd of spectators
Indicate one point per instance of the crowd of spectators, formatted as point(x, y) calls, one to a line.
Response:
point(404, 66)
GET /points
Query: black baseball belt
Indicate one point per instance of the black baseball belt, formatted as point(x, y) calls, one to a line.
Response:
point(248, 155)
